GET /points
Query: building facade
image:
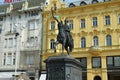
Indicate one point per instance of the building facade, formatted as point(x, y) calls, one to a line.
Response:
point(96, 33)
point(20, 39)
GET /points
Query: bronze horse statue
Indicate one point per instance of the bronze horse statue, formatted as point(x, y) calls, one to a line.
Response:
point(64, 36)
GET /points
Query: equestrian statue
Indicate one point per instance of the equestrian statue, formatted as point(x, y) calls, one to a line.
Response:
point(64, 36)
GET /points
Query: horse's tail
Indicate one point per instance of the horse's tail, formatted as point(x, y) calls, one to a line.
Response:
point(71, 46)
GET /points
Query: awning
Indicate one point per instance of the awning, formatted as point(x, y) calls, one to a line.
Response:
point(8, 74)
point(43, 77)
point(5, 78)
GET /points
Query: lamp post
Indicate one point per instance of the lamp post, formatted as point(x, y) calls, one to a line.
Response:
point(17, 36)
point(16, 56)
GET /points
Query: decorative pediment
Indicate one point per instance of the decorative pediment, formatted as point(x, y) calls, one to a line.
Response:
point(83, 33)
point(108, 31)
point(94, 32)
point(54, 3)
point(117, 30)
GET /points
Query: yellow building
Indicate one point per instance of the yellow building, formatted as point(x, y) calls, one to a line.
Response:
point(96, 33)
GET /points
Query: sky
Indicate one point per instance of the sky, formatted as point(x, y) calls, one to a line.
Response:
point(1, 1)
point(71, 0)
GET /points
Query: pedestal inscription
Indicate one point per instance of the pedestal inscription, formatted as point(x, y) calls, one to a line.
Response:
point(63, 67)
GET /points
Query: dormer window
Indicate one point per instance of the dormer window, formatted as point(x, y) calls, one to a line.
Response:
point(95, 1)
point(71, 5)
point(106, 0)
point(83, 3)
point(63, 0)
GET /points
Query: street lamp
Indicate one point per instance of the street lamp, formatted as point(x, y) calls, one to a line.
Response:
point(17, 36)
point(16, 56)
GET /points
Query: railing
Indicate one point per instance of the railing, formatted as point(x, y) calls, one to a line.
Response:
point(30, 48)
point(10, 32)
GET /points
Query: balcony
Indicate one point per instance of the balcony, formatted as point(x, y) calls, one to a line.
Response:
point(95, 50)
point(10, 33)
point(26, 46)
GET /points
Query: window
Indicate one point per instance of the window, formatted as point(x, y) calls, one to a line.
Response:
point(36, 41)
point(37, 23)
point(119, 19)
point(6, 42)
point(82, 23)
point(83, 3)
point(108, 40)
point(71, 5)
point(0, 29)
point(0, 39)
point(32, 25)
point(26, 14)
point(12, 29)
point(14, 56)
point(113, 61)
point(95, 1)
point(96, 62)
point(107, 20)
point(31, 41)
point(10, 43)
point(106, 0)
point(52, 25)
point(9, 59)
point(95, 21)
point(116, 61)
point(30, 59)
point(4, 59)
point(83, 61)
point(34, 13)
point(95, 41)
point(15, 42)
point(71, 24)
point(19, 16)
point(1, 18)
point(52, 43)
point(83, 42)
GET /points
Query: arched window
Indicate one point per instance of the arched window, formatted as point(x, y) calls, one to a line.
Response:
point(95, 41)
point(97, 78)
point(83, 3)
point(83, 42)
point(108, 40)
point(52, 43)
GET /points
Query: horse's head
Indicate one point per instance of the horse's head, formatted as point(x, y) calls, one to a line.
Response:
point(66, 21)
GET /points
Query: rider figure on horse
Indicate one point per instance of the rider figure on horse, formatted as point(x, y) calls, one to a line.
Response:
point(67, 29)
point(64, 36)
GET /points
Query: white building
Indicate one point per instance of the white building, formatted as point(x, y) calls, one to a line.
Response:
point(20, 39)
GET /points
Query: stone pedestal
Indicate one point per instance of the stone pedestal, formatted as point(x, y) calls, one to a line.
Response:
point(63, 67)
